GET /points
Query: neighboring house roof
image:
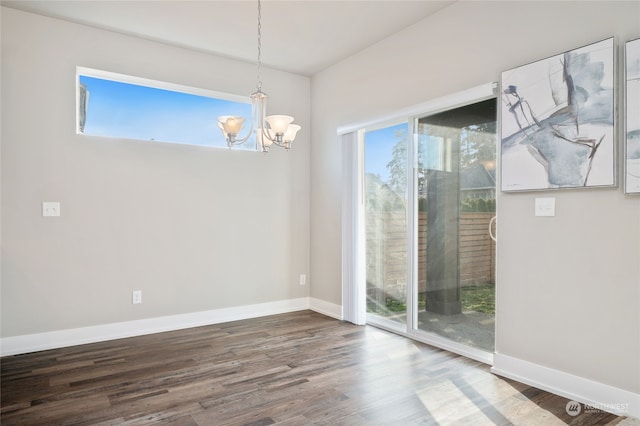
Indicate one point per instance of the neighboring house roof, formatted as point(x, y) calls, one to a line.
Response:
point(477, 176)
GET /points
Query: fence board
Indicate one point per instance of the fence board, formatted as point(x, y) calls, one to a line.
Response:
point(386, 233)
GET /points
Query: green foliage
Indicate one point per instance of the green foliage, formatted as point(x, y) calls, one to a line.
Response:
point(479, 298)
point(395, 305)
point(471, 205)
point(478, 205)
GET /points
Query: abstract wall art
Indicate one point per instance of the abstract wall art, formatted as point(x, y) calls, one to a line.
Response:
point(632, 108)
point(557, 121)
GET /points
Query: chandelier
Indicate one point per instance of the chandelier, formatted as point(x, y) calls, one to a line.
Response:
point(273, 129)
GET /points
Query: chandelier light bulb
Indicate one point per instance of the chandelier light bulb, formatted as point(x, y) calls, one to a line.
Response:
point(279, 123)
point(291, 132)
point(231, 124)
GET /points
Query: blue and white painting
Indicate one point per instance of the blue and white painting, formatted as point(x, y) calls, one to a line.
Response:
point(632, 151)
point(557, 119)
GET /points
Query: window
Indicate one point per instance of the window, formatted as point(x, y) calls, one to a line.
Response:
point(121, 106)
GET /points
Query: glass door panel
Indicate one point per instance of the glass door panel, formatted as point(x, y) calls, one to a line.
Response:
point(456, 202)
point(386, 223)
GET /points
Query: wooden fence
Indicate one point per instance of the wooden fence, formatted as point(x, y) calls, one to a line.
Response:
point(387, 246)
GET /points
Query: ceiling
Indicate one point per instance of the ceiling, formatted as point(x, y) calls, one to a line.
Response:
point(299, 36)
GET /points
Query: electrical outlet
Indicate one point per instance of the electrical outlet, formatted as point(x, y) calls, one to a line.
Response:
point(136, 297)
point(50, 208)
point(303, 279)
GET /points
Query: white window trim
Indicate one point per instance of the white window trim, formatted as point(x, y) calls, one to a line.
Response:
point(157, 84)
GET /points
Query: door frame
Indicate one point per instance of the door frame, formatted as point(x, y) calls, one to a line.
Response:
point(353, 238)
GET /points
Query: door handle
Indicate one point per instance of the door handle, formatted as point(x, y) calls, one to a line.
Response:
point(491, 234)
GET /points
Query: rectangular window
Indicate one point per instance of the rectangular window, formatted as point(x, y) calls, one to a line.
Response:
point(120, 106)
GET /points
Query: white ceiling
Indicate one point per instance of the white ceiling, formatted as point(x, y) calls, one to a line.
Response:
point(300, 36)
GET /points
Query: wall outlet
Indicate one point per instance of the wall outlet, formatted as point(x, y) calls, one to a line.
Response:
point(303, 279)
point(50, 208)
point(136, 297)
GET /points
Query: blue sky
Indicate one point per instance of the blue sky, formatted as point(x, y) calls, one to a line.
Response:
point(130, 111)
point(379, 148)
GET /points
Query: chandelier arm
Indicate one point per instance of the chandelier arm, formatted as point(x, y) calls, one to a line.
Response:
point(266, 133)
point(240, 141)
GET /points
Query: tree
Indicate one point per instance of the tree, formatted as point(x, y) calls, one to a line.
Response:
point(478, 144)
point(398, 165)
point(381, 197)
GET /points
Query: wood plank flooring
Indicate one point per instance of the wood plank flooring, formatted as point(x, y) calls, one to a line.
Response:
point(301, 368)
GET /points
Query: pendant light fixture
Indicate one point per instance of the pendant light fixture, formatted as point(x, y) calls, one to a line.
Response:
point(273, 129)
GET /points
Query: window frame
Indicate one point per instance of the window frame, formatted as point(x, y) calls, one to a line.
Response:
point(150, 83)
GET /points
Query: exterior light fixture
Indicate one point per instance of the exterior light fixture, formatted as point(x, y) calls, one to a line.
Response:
point(273, 129)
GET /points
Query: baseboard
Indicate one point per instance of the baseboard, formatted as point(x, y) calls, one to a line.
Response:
point(99, 333)
point(325, 308)
point(591, 393)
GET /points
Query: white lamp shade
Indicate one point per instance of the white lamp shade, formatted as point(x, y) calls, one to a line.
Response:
point(279, 123)
point(291, 132)
point(231, 124)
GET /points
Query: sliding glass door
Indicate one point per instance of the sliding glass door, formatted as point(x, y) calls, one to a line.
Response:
point(385, 213)
point(419, 212)
point(455, 192)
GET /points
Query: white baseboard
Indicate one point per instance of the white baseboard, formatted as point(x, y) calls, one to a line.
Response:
point(99, 333)
point(594, 394)
point(325, 308)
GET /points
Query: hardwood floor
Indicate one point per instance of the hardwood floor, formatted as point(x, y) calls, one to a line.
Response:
point(300, 368)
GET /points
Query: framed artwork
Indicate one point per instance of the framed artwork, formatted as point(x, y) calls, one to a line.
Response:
point(557, 121)
point(632, 108)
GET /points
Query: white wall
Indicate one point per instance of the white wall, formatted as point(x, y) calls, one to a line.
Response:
point(194, 228)
point(568, 286)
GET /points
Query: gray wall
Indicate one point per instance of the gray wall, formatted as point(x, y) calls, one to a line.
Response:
point(194, 228)
point(568, 293)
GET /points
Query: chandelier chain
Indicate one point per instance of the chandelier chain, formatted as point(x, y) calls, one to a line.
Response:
point(259, 84)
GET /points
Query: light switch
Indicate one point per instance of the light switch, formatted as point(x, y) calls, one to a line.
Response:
point(50, 208)
point(545, 206)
